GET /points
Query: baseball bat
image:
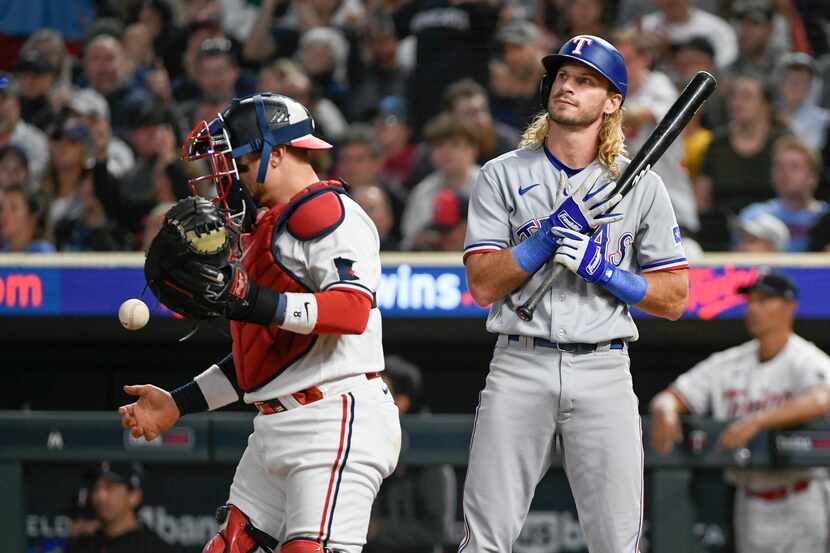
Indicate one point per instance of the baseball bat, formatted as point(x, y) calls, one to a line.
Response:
point(696, 92)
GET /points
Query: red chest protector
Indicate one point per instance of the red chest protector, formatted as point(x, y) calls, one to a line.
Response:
point(260, 353)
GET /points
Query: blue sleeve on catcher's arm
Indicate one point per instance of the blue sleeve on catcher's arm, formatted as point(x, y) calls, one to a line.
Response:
point(536, 250)
point(214, 388)
point(628, 287)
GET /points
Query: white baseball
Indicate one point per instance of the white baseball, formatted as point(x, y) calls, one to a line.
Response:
point(133, 314)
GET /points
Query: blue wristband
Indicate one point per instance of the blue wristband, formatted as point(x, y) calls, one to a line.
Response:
point(536, 250)
point(628, 287)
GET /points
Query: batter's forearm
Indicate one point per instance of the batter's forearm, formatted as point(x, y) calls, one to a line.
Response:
point(810, 405)
point(667, 294)
point(493, 275)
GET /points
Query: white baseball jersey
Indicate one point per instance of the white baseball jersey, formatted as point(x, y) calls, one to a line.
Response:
point(517, 190)
point(349, 259)
point(735, 383)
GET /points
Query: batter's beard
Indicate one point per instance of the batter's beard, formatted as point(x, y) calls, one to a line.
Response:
point(580, 120)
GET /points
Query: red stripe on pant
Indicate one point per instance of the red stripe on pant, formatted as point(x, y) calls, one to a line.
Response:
point(334, 466)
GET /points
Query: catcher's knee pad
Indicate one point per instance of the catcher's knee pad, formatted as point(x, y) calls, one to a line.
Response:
point(306, 546)
point(302, 546)
point(238, 535)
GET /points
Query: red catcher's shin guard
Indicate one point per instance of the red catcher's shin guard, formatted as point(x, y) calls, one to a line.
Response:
point(302, 546)
point(236, 537)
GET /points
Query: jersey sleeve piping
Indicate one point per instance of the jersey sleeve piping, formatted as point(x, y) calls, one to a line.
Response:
point(674, 264)
point(485, 246)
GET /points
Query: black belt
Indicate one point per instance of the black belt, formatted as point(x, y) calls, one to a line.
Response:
point(570, 347)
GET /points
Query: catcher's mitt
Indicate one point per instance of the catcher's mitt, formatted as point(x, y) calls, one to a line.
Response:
point(187, 265)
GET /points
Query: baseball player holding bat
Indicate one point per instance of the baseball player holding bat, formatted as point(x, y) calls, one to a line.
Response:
point(562, 379)
point(306, 334)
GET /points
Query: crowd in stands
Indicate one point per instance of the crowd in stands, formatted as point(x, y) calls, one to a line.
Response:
point(96, 97)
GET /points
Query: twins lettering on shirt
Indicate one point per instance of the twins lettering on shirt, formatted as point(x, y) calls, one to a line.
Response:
point(738, 405)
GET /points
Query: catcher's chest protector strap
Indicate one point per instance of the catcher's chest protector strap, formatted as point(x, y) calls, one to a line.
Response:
point(314, 212)
point(239, 535)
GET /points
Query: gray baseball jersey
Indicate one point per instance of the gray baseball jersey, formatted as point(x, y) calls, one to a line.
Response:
point(735, 383)
point(536, 395)
point(518, 189)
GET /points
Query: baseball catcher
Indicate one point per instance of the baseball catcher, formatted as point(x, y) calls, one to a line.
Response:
point(298, 285)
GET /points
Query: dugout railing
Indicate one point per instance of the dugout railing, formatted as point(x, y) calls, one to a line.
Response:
point(39, 453)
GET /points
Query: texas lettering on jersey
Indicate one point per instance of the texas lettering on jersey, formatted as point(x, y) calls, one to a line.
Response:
point(505, 208)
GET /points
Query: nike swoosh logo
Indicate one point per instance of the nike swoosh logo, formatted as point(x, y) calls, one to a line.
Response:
point(523, 191)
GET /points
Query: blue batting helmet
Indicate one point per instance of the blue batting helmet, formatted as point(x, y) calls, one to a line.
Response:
point(593, 51)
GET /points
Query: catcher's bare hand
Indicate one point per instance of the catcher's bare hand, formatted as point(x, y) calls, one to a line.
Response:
point(153, 413)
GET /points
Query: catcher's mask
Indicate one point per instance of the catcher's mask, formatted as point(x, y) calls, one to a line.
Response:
point(254, 123)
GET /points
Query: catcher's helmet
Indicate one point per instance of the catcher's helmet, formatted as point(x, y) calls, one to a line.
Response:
point(593, 51)
point(255, 123)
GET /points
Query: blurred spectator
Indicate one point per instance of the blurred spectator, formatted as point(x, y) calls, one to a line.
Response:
point(92, 108)
point(453, 149)
point(515, 74)
point(185, 83)
point(359, 157)
point(138, 46)
point(393, 133)
point(449, 223)
point(757, 51)
point(148, 69)
point(467, 101)
point(270, 38)
point(384, 76)
point(108, 71)
point(154, 143)
point(687, 59)
point(158, 19)
point(323, 54)
point(286, 77)
point(696, 140)
point(568, 18)
point(320, 13)
point(798, 88)
point(820, 235)
point(761, 232)
point(415, 508)
point(823, 64)
point(359, 161)
point(217, 74)
point(679, 22)
point(14, 167)
point(50, 44)
point(36, 76)
point(453, 39)
point(76, 219)
point(155, 220)
point(583, 17)
point(650, 95)
point(22, 222)
point(82, 513)
point(795, 175)
point(736, 169)
point(13, 130)
point(70, 144)
point(116, 496)
point(375, 202)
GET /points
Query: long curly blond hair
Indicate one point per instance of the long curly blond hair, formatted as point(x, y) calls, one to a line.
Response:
point(611, 139)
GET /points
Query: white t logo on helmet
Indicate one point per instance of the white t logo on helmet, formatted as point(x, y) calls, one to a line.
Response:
point(580, 42)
